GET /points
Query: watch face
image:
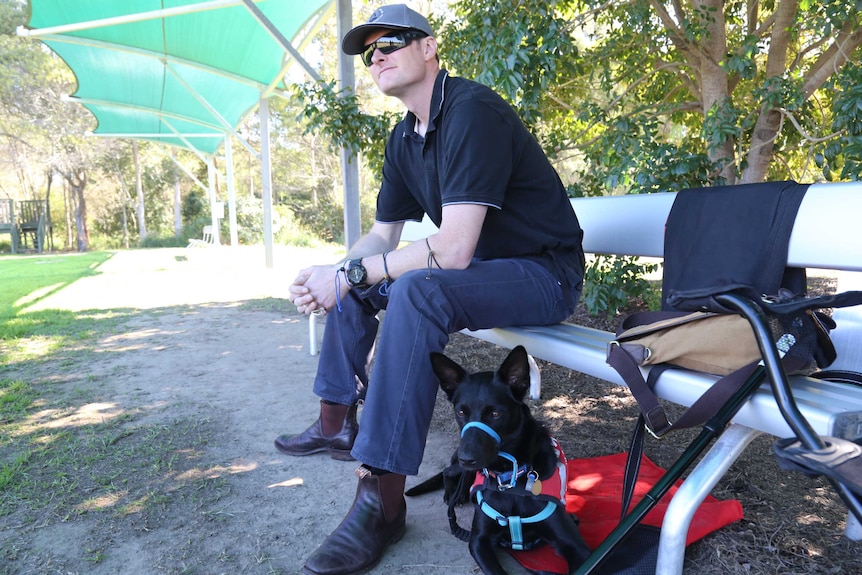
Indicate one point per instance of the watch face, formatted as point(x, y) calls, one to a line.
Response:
point(356, 274)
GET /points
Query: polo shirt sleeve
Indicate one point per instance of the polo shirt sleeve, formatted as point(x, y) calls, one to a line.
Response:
point(395, 203)
point(477, 154)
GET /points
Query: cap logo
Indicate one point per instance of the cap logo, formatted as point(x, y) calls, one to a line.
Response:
point(377, 15)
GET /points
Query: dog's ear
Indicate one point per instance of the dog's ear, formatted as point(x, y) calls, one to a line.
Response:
point(515, 372)
point(449, 373)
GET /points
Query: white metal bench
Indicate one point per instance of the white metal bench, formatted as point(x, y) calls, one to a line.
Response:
point(206, 240)
point(825, 236)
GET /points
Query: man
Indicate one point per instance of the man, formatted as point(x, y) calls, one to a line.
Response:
point(508, 252)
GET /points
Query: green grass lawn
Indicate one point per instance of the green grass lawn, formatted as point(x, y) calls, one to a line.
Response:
point(48, 470)
point(26, 280)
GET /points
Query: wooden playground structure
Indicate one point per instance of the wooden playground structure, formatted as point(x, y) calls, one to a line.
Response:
point(28, 222)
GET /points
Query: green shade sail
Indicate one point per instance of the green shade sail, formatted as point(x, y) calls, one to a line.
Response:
point(180, 72)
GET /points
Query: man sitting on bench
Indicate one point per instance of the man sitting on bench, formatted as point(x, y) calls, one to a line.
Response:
point(508, 252)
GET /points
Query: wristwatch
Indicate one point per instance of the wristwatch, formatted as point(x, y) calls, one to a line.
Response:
point(355, 273)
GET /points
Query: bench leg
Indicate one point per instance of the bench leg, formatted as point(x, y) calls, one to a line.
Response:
point(535, 378)
point(693, 491)
point(312, 334)
point(853, 529)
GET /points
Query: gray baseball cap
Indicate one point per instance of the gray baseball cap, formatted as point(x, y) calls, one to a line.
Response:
point(393, 17)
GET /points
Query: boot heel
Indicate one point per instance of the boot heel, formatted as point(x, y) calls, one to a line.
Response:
point(340, 454)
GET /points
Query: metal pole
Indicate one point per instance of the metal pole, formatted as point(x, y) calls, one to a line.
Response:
point(211, 175)
point(266, 177)
point(349, 162)
point(231, 191)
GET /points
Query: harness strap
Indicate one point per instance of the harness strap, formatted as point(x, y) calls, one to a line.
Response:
point(515, 522)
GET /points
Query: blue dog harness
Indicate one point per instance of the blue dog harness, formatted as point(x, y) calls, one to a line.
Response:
point(553, 487)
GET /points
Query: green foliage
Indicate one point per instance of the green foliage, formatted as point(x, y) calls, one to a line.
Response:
point(326, 218)
point(338, 116)
point(722, 122)
point(640, 94)
point(293, 233)
point(192, 206)
point(163, 241)
point(249, 221)
point(521, 49)
point(841, 158)
point(612, 282)
point(157, 180)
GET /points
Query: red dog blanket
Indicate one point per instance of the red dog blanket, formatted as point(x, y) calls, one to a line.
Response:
point(594, 494)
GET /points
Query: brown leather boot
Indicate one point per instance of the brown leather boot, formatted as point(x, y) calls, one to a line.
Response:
point(377, 518)
point(334, 431)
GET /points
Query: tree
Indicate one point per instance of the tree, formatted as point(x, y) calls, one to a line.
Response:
point(654, 95)
point(32, 84)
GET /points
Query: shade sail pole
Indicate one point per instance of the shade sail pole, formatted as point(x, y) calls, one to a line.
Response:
point(231, 191)
point(349, 161)
point(211, 176)
point(266, 178)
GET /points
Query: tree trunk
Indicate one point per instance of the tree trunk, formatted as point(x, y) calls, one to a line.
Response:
point(67, 212)
point(124, 202)
point(714, 86)
point(142, 222)
point(77, 182)
point(769, 119)
point(49, 227)
point(178, 211)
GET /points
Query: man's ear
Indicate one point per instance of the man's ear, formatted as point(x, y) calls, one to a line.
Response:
point(430, 48)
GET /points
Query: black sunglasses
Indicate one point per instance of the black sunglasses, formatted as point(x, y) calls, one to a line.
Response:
point(390, 43)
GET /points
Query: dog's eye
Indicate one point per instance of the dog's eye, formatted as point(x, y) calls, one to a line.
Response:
point(496, 414)
point(460, 413)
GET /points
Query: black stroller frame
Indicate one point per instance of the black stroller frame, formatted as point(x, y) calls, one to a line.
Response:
point(771, 370)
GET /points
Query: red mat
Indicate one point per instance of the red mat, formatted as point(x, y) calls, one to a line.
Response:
point(594, 494)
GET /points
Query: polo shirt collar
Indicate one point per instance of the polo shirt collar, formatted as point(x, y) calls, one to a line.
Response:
point(437, 98)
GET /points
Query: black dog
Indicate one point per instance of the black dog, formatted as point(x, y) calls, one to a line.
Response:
point(510, 455)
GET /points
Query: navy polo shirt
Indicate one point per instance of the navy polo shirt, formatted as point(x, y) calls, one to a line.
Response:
point(476, 150)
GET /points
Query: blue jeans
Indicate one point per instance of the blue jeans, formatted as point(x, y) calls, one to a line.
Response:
point(421, 312)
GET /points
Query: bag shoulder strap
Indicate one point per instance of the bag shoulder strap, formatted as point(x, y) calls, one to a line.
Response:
point(654, 414)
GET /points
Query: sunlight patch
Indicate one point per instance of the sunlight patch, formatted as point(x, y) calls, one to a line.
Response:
point(242, 468)
point(198, 474)
point(100, 502)
point(132, 341)
point(31, 348)
point(37, 295)
point(89, 414)
point(294, 482)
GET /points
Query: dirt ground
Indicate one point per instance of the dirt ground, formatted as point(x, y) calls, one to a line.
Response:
point(204, 362)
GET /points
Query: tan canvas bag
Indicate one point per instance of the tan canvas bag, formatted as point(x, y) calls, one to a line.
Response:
point(703, 341)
